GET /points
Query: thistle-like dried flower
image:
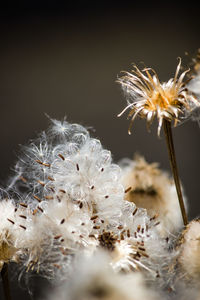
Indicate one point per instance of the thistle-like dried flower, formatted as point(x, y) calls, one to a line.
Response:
point(151, 188)
point(149, 98)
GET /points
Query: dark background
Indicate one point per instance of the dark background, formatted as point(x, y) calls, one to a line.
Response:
point(63, 59)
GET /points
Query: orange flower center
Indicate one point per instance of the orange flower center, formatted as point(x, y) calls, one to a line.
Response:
point(162, 100)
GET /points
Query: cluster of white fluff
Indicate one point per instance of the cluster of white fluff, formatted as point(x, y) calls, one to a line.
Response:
point(74, 190)
point(93, 278)
point(74, 204)
point(71, 202)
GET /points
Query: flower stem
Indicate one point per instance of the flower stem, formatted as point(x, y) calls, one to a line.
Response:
point(5, 282)
point(172, 158)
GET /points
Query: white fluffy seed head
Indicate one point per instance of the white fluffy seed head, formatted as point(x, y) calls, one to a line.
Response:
point(92, 279)
point(70, 161)
point(8, 234)
point(133, 242)
point(149, 187)
point(76, 204)
point(189, 257)
point(72, 188)
point(14, 231)
point(28, 239)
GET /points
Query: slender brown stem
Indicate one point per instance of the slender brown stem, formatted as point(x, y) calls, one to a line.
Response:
point(172, 157)
point(5, 282)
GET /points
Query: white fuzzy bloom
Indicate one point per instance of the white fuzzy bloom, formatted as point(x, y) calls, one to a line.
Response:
point(26, 239)
point(67, 161)
point(73, 189)
point(42, 249)
point(75, 204)
point(134, 243)
point(8, 232)
point(94, 279)
point(21, 233)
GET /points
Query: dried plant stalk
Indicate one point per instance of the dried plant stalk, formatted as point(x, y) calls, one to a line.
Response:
point(172, 158)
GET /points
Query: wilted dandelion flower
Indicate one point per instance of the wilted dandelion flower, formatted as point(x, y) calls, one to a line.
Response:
point(149, 98)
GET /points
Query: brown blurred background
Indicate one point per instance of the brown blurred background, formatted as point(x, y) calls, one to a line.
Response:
point(63, 59)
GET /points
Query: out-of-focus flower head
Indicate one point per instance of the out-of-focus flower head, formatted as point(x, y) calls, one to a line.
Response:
point(193, 86)
point(93, 278)
point(189, 251)
point(153, 189)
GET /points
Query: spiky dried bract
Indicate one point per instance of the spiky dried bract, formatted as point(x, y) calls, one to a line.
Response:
point(151, 188)
point(149, 98)
point(189, 249)
point(92, 279)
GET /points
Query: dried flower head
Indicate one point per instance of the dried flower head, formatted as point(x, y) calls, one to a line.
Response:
point(149, 187)
point(149, 98)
